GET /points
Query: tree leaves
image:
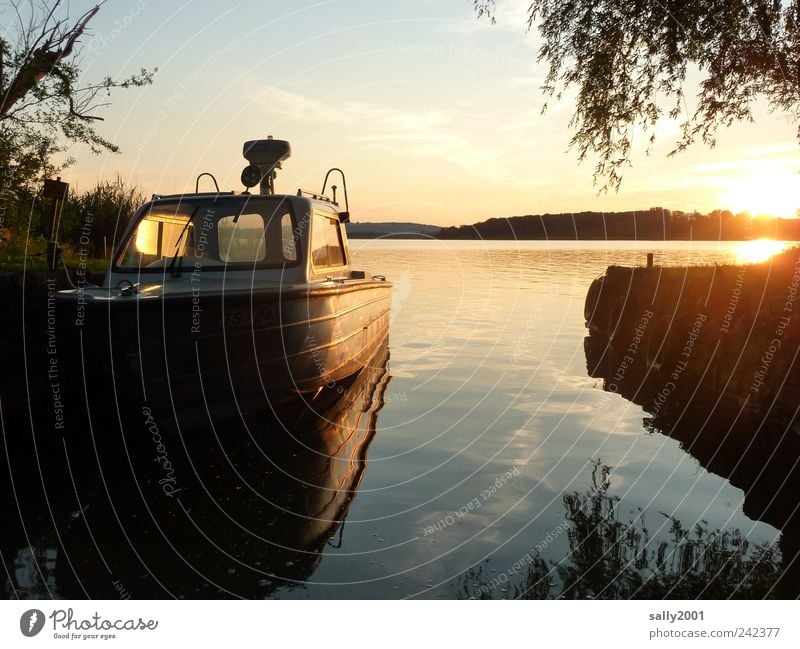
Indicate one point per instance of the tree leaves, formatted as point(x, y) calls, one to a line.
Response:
point(628, 62)
point(44, 103)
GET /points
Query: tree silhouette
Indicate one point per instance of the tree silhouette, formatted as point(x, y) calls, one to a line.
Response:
point(629, 62)
point(43, 100)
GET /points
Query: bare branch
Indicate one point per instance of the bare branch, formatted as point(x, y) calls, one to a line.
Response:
point(43, 107)
point(45, 57)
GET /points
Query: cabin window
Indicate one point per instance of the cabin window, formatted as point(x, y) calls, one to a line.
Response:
point(212, 235)
point(287, 236)
point(326, 241)
point(160, 235)
point(242, 239)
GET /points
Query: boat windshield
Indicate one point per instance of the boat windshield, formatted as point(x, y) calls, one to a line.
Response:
point(212, 235)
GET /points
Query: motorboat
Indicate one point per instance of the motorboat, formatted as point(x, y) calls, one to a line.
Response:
point(217, 294)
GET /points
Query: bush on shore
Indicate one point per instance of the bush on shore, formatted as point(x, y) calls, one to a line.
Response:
point(90, 223)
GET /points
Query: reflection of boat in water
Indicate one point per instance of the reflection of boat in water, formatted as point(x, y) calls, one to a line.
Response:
point(236, 511)
point(242, 292)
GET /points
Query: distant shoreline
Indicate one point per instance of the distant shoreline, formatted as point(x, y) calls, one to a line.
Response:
point(364, 237)
point(654, 224)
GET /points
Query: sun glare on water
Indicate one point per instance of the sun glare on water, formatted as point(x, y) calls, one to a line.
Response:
point(753, 252)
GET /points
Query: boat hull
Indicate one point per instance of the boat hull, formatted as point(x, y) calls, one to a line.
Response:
point(245, 344)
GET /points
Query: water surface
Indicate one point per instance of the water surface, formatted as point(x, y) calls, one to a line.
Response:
point(488, 420)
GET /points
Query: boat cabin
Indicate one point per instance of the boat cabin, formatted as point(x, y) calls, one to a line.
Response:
point(285, 238)
point(264, 237)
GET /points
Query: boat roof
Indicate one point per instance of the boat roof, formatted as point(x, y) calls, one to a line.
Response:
point(301, 193)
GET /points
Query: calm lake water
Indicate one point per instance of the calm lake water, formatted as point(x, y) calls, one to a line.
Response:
point(489, 420)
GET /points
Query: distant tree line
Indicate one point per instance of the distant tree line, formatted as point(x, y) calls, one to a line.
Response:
point(655, 224)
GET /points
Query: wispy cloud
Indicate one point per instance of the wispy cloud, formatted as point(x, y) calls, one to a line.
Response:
point(297, 107)
point(747, 164)
point(434, 134)
point(771, 150)
point(513, 14)
point(469, 25)
point(510, 15)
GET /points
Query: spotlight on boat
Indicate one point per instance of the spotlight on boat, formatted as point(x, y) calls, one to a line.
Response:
point(251, 176)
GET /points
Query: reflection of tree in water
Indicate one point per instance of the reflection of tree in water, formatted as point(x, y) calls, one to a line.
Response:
point(610, 558)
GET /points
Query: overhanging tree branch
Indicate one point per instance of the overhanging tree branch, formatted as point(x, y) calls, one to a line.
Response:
point(627, 62)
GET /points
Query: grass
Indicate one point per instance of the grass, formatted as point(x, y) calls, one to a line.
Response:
point(24, 256)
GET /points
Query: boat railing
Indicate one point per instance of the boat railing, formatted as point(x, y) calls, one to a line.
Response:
point(344, 217)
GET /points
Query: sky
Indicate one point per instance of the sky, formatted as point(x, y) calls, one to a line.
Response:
point(434, 115)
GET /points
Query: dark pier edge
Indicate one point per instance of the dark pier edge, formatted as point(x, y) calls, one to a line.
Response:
point(711, 355)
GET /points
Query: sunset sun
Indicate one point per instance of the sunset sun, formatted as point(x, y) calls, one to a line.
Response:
point(774, 193)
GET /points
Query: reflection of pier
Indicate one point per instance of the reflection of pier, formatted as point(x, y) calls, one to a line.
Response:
point(233, 508)
point(670, 341)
